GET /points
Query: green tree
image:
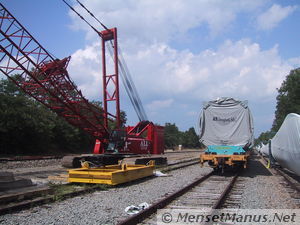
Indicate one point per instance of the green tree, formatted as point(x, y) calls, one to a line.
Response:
point(8, 87)
point(175, 137)
point(23, 125)
point(288, 101)
point(288, 98)
point(263, 138)
point(172, 135)
point(28, 127)
point(112, 124)
point(190, 139)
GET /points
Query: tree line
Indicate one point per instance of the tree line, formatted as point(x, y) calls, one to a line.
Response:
point(288, 101)
point(28, 127)
point(174, 137)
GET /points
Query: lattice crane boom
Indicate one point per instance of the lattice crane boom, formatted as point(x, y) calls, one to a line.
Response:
point(45, 78)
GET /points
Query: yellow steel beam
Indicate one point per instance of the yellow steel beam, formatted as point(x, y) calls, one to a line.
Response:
point(113, 175)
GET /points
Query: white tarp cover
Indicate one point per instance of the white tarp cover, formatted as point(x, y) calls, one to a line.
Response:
point(226, 121)
point(264, 150)
point(285, 145)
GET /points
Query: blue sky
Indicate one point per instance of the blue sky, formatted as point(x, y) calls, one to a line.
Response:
point(180, 53)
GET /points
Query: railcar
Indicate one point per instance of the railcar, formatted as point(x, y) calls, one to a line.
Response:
point(284, 147)
point(226, 129)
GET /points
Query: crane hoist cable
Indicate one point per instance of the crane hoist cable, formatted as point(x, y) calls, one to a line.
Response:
point(130, 87)
point(92, 15)
point(81, 17)
point(125, 74)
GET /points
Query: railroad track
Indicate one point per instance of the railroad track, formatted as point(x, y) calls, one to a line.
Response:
point(28, 158)
point(28, 198)
point(40, 173)
point(209, 191)
point(292, 185)
point(180, 164)
point(47, 157)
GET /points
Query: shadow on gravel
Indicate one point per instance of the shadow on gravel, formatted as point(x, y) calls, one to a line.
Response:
point(255, 157)
point(255, 168)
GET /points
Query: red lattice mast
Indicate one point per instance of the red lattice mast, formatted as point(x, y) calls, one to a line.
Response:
point(111, 81)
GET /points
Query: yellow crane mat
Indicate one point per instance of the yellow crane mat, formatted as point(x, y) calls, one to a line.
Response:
point(112, 174)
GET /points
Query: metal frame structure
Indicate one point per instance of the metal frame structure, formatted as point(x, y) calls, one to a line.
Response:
point(145, 138)
point(216, 161)
point(112, 174)
point(40, 75)
point(110, 80)
point(45, 78)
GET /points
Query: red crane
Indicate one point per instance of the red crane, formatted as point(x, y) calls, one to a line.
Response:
point(45, 78)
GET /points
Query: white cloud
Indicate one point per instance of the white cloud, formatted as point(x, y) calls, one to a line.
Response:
point(295, 62)
point(85, 69)
point(159, 104)
point(162, 20)
point(235, 69)
point(239, 69)
point(168, 78)
point(273, 16)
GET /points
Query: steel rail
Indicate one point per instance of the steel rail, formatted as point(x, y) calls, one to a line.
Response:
point(186, 161)
point(28, 203)
point(218, 204)
point(177, 166)
point(286, 177)
point(29, 158)
point(137, 218)
point(46, 199)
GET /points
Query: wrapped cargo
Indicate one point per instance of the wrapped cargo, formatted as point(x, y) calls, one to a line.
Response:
point(226, 121)
point(285, 145)
point(226, 128)
point(264, 150)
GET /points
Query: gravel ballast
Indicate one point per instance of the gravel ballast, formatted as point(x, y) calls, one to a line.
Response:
point(263, 190)
point(106, 207)
point(29, 164)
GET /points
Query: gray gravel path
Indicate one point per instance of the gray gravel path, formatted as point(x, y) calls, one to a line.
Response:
point(106, 207)
point(28, 164)
point(263, 190)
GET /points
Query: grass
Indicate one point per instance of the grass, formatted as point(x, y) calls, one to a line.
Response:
point(60, 192)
